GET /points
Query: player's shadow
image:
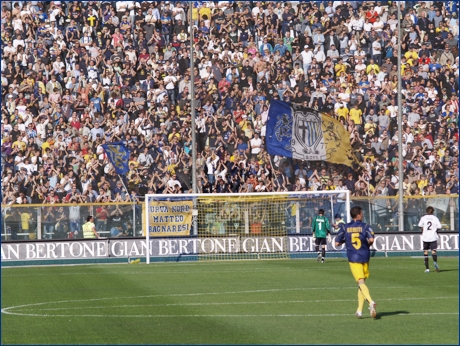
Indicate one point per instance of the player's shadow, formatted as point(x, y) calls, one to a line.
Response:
point(390, 313)
point(447, 270)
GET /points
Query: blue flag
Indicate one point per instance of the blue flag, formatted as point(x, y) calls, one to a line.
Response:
point(451, 6)
point(118, 156)
point(306, 134)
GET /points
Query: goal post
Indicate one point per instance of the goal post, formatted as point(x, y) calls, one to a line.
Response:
point(235, 226)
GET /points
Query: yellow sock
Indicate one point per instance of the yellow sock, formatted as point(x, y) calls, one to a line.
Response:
point(361, 300)
point(365, 291)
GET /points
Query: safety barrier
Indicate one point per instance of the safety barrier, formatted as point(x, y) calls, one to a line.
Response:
point(125, 220)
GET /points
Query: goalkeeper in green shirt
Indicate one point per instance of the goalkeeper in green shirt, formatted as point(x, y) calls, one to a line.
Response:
point(321, 232)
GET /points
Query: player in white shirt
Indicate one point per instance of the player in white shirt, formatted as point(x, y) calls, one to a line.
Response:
point(429, 224)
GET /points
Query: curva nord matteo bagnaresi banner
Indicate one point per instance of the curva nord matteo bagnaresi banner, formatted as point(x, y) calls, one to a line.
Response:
point(170, 247)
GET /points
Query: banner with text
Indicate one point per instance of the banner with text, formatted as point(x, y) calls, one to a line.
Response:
point(168, 219)
point(183, 246)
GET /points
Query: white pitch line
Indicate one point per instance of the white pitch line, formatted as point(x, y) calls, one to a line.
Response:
point(240, 315)
point(232, 303)
point(6, 310)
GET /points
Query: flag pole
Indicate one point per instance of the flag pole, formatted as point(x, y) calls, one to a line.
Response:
point(400, 115)
point(123, 183)
point(134, 207)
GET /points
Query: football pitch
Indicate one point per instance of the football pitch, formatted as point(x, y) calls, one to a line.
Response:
point(232, 302)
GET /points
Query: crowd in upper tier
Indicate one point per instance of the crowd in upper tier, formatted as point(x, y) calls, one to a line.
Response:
point(78, 74)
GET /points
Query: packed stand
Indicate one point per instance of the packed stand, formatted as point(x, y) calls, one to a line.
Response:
point(76, 75)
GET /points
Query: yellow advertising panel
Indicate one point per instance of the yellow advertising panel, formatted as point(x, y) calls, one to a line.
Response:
point(168, 219)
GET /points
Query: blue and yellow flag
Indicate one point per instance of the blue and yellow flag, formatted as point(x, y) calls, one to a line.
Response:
point(305, 134)
point(451, 6)
point(118, 156)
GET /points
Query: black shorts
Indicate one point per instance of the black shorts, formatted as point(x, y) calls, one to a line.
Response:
point(320, 241)
point(430, 245)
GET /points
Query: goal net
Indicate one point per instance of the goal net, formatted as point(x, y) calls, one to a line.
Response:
point(236, 226)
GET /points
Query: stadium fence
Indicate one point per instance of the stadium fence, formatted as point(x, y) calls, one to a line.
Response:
point(211, 226)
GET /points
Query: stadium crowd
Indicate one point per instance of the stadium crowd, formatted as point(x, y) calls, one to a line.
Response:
point(76, 75)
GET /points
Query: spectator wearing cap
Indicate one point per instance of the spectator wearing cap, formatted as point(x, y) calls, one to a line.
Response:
point(307, 56)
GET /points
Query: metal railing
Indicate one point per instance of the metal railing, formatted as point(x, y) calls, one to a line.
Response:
point(382, 212)
point(64, 221)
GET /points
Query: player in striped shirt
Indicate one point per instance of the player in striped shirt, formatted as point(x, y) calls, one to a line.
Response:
point(429, 224)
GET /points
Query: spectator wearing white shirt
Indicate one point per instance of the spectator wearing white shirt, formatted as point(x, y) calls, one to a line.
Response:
point(95, 131)
point(211, 165)
point(307, 55)
point(256, 144)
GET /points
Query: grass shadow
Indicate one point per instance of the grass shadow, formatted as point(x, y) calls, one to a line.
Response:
point(390, 313)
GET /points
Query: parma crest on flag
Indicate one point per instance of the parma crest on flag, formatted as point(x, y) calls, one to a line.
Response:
point(306, 134)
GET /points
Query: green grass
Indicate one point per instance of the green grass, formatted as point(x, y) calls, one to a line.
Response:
point(233, 302)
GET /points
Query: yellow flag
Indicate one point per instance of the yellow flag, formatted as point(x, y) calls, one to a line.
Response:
point(337, 142)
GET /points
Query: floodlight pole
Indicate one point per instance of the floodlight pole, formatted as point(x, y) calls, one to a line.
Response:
point(400, 147)
point(192, 104)
point(192, 101)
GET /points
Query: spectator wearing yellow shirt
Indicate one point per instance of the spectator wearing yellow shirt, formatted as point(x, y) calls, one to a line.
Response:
point(340, 67)
point(47, 144)
point(249, 131)
point(368, 155)
point(356, 115)
point(441, 149)
point(171, 168)
point(405, 64)
point(31, 82)
point(370, 127)
point(372, 66)
point(342, 112)
point(25, 219)
point(19, 144)
point(330, 185)
point(411, 55)
point(134, 180)
point(90, 155)
point(244, 123)
point(195, 15)
point(132, 163)
point(442, 28)
point(174, 134)
point(204, 11)
point(423, 182)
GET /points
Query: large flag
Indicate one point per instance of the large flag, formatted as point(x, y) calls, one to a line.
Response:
point(305, 134)
point(118, 155)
